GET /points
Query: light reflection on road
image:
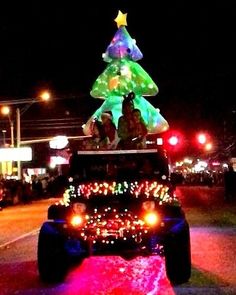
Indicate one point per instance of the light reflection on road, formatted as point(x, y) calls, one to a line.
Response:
point(113, 275)
point(213, 271)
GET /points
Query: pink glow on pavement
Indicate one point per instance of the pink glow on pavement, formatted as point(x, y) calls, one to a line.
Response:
point(112, 275)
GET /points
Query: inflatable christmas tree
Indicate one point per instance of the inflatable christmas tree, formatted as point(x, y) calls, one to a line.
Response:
point(124, 75)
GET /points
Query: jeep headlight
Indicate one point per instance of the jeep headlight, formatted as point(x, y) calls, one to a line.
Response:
point(151, 218)
point(77, 220)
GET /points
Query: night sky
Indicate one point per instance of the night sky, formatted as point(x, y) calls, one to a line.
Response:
point(188, 50)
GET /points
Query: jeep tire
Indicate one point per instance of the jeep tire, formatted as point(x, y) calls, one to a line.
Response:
point(178, 257)
point(52, 258)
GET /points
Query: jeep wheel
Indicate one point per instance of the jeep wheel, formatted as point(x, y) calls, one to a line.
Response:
point(52, 259)
point(178, 257)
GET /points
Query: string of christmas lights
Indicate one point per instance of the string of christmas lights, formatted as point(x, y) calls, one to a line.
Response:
point(143, 189)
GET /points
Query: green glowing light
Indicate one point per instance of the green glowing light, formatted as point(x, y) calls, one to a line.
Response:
point(121, 77)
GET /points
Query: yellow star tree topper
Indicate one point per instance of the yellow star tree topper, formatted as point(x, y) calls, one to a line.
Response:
point(121, 19)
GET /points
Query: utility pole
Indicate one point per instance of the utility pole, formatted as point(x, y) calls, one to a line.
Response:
point(12, 132)
point(18, 139)
point(4, 137)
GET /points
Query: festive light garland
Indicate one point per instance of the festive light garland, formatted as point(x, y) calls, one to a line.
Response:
point(137, 189)
point(107, 225)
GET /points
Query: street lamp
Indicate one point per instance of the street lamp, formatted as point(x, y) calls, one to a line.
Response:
point(5, 110)
point(44, 96)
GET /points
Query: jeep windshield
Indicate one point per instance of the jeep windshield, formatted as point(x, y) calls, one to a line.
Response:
point(119, 165)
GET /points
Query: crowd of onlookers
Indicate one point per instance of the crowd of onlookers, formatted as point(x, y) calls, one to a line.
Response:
point(130, 133)
point(199, 178)
point(226, 179)
point(20, 191)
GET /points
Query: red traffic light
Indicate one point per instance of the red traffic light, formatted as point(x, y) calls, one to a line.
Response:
point(201, 138)
point(173, 140)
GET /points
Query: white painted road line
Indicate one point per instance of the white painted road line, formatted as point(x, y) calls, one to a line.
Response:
point(35, 231)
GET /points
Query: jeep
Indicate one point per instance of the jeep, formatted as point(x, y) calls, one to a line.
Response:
point(118, 202)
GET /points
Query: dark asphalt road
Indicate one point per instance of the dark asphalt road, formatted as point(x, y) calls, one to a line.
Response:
point(213, 267)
